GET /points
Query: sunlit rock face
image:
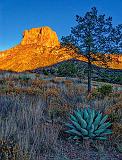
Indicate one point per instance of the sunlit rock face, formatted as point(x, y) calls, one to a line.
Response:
point(40, 48)
point(43, 36)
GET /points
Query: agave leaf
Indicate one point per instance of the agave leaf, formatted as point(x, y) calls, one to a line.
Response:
point(106, 132)
point(69, 125)
point(105, 125)
point(81, 120)
point(90, 122)
point(75, 113)
point(104, 119)
point(92, 135)
point(76, 125)
point(77, 137)
point(80, 111)
point(92, 129)
point(91, 132)
point(84, 131)
point(99, 131)
point(77, 110)
point(74, 132)
point(73, 118)
point(97, 120)
point(100, 138)
point(79, 128)
point(93, 113)
point(89, 111)
point(71, 137)
point(85, 114)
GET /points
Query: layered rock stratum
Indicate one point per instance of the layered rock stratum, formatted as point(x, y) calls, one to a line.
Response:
point(40, 47)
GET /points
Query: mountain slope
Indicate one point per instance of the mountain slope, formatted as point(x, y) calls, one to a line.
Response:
point(38, 48)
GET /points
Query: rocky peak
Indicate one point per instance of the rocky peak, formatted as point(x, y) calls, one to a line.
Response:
point(43, 36)
point(30, 53)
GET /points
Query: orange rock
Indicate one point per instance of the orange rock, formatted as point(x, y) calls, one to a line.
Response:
point(43, 36)
point(40, 48)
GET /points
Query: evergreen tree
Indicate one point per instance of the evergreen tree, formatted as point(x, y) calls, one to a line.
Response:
point(94, 36)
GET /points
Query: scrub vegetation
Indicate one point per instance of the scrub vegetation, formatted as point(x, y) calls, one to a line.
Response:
point(34, 111)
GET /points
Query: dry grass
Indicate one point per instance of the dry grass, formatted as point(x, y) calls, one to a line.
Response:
point(33, 116)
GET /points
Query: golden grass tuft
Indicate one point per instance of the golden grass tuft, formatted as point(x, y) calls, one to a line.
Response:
point(52, 91)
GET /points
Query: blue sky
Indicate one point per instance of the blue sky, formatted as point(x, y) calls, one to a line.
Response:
point(18, 15)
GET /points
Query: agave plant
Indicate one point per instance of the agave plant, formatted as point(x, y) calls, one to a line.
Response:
point(88, 124)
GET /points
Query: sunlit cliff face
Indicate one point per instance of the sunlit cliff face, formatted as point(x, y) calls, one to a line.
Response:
point(40, 48)
point(41, 36)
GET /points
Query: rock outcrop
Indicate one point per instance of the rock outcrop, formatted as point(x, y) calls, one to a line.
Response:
point(40, 48)
point(43, 36)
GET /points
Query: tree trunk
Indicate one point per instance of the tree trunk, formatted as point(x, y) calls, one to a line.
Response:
point(89, 76)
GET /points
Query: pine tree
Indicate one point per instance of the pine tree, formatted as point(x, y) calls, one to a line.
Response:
point(94, 36)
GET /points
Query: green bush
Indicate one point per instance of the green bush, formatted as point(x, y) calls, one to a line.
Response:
point(67, 69)
point(45, 72)
point(96, 93)
point(105, 89)
point(118, 79)
point(115, 117)
point(24, 77)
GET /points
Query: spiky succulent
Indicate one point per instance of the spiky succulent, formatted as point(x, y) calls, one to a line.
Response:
point(88, 124)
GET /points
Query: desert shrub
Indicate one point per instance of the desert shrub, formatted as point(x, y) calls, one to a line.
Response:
point(105, 89)
point(68, 83)
point(110, 77)
point(56, 113)
point(22, 111)
point(53, 70)
point(115, 112)
point(100, 92)
point(10, 84)
point(45, 72)
point(52, 92)
point(8, 150)
point(2, 82)
point(57, 80)
point(117, 133)
point(67, 69)
point(39, 83)
point(115, 94)
point(37, 75)
point(24, 77)
point(95, 93)
point(115, 117)
point(118, 79)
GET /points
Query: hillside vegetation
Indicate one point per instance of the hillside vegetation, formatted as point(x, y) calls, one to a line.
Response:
point(33, 110)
